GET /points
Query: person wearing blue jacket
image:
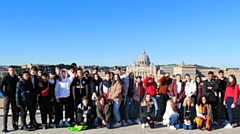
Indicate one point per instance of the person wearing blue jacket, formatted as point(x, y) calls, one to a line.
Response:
point(25, 99)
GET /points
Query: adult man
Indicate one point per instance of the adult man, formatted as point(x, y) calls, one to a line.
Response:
point(210, 87)
point(222, 84)
point(10, 83)
point(25, 99)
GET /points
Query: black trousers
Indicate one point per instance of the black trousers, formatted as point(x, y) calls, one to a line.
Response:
point(66, 102)
point(150, 122)
point(162, 101)
point(46, 109)
point(24, 110)
point(214, 105)
point(122, 110)
point(7, 101)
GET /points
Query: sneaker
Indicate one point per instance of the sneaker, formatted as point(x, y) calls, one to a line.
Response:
point(60, 124)
point(118, 124)
point(172, 128)
point(137, 121)
point(147, 125)
point(25, 128)
point(5, 130)
point(225, 123)
point(124, 123)
point(44, 126)
point(52, 125)
point(129, 122)
point(143, 125)
point(215, 123)
point(67, 124)
point(228, 126)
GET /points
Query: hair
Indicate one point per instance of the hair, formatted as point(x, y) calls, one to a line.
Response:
point(79, 69)
point(25, 72)
point(185, 102)
point(144, 100)
point(71, 67)
point(186, 75)
point(200, 100)
point(73, 64)
point(95, 68)
point(220, 71)
point(34, 68)
point(86, 71)
point(84, 98)
point(11, 67)
point(94, 77)
point(119, 79)
point(232, 84)
point(167, 73)
point(140, 77)
point(174, 105)
point(112, 73)
point(199, 78)
point(101, 97)
point(59, 67)
point(63, 71)
point(118, 68)
point(107, 72)
point(211, 72)
point(178, 75)
point(130, 75)
point(20, 75)
point(45, 74)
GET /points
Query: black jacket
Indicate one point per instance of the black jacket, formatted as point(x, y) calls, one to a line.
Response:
point(211, 93)
point(95, 87)
point(188, 113)
point(50, 88)
point(10, 84)
point(81, 110)
point(25, 93)
point(146, 111)
point(131, 89)
point(222, 84)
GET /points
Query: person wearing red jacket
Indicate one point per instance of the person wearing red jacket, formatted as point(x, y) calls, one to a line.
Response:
point(178, 90)
point(151, 88)
point(231, 98)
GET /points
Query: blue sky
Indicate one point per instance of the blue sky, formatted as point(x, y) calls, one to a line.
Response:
point(114, 32)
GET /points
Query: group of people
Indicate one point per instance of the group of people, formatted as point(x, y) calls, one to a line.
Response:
point(115, 101)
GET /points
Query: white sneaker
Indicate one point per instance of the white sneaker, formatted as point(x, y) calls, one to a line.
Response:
point(124, 123)
point(172, 128)
point(60, 124)
point(215, 123)
point(147, 125)
point(117, 124)
point(225, 123)
point(137, 121)
point(228, 126)
point(129, 122)
point(66, 124)
point(44, 126)
point(143, 125)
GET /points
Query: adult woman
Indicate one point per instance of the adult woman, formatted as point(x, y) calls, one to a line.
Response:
point(199, 84)
point(204, 113)
point(171, 114)
point(115, 95)
point(231, 98)
point(129, 99)
point(188, 113)
point(147, 111)
point(95, 90)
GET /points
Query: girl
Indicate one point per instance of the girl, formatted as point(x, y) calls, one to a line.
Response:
point(188, 113)
point(147, 111)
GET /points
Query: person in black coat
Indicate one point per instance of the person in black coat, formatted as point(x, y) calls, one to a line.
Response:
point(9, 82)
point(95, 91)
point(147, 111)
point(25, 98)
point(188, 113)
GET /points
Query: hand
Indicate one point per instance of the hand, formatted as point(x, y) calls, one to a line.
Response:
point(85, 120)
point(233, 106)
point(19, 106)
point(104, 123)
point(166, 75)
point(85, 116)
point(209, 88)
point(52, 100)
point(58, 101)
point(224, 103)
point(148, 118)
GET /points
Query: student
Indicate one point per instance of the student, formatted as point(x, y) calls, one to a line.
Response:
point(25, 98)
point(178, 90)
point(147, 111)
point(45, 101)
point(115, 95)
point(151, 87)
point(222, 84)
point(171, 115)
point(190, 88)
point(39, 73)
point(88, 79)
point(9, 82)
point(79, 89)
point(200, 90)
point(84, 114)
point(95, 91)
point(210, 87)
point(105, 85)
point(54, 109)
point(165, 84)
point(62, 94)
point(129, 99)
point(231, 98)
point(104, 113)
point(204, 114)
point(188, 113)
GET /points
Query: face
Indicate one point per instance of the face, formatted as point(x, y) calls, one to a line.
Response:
point(221, 75)
point(64, 74)
point(167, 76)
point(198, 80)
point(174, 99)
point(187, 78)
point(132, 76)
point(11, 71)
point(178, 78)
point(107, 76)
point(85, 102)
point(44, 78)
point(79, 73)
point(26, 76)
point(204, 100)
point(51, 76)
point(102, 101)
point(118, 71)
point(40, 73)
point(116, 78)
point(72, 70)
point(33, 72)
point(148, 97)
point(57, 70)
point(138, 80)
point(230, 79)
point(19, 77)
point(95, 71)
point(210, 76)
point(95, 77)
point(112, 76)
point(188, 101)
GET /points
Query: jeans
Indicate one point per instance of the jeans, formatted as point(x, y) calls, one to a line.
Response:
point(128, 107)
point(116, 112)
point(98, 122)
point(229, 102)
point(187, 127)
point(173, 120)
point(155, 105)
